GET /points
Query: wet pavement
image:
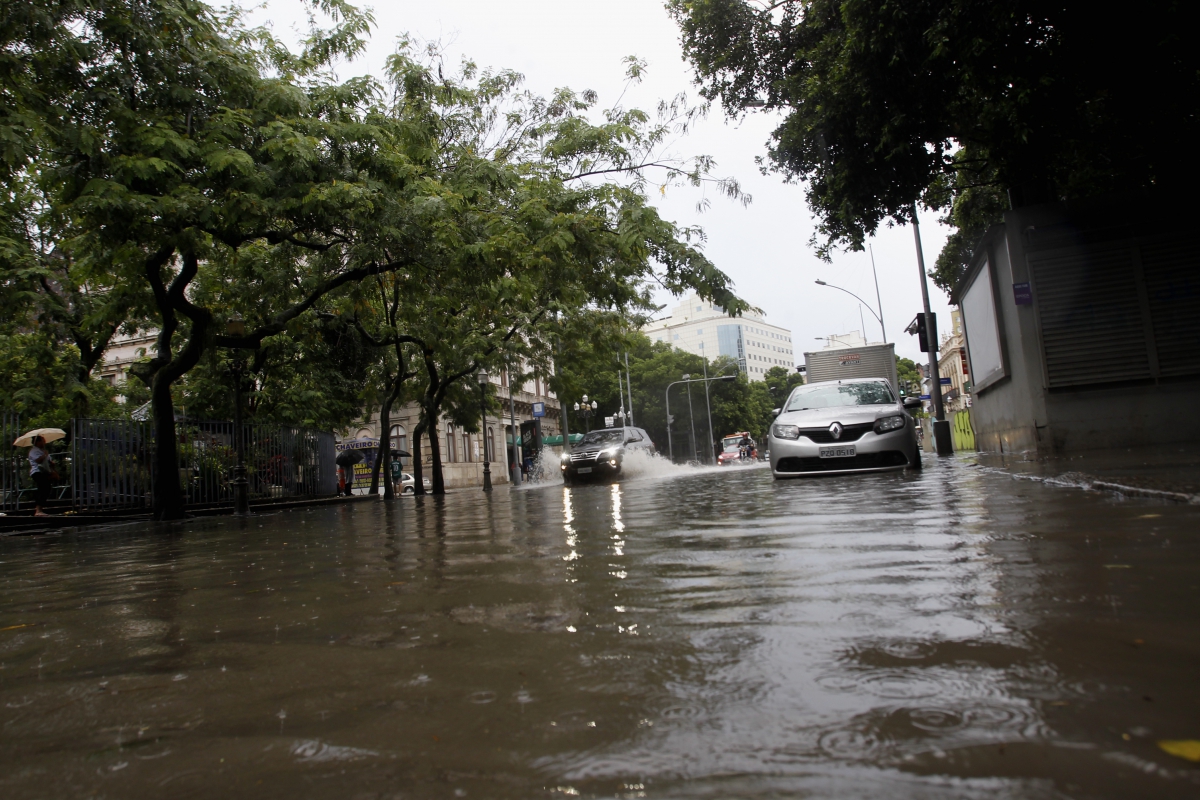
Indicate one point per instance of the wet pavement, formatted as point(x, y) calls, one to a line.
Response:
point(956, 633)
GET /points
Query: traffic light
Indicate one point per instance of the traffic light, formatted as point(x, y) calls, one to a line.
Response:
point(924, 336)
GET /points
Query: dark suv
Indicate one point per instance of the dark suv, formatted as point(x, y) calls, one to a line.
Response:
point(600, 453)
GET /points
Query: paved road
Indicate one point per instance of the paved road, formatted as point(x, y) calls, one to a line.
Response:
point(956, 633)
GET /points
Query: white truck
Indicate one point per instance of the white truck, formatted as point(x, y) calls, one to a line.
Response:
point(871, 361)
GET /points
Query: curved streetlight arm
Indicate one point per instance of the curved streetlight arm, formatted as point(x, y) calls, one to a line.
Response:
point(859, 299)
point(855, 296)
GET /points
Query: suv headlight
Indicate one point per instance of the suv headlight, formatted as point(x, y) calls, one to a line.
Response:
point(609, 452)
point(785, 431)
point(565, 457)
point(885, 424)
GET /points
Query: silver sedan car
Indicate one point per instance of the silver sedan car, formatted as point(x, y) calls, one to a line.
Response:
point(845, 426)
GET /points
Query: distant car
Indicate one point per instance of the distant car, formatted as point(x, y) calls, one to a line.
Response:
point(408, 484)
point(731, 449)
point(600, 454)
point(844, 426)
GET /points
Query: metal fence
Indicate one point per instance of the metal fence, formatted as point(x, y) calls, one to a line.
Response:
point(11, 460)
point(108, 464)
point(281, 462)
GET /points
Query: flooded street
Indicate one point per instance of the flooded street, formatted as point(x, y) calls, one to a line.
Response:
point(955, 633)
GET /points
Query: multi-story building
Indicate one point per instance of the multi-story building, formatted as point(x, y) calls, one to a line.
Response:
point(952, 364)
point(122, 352)
point(699, 327)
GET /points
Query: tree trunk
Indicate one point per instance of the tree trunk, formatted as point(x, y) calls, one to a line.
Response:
point(418, 468)
point(169, 499)
point(435, 461)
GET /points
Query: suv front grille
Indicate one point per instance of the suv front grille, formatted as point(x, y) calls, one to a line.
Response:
point(583, 457)
point(850, 433)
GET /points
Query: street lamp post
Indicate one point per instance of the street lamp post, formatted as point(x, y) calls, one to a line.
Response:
point(878, 316)
point(487, 462)
point(667, 397)
point(941, 428)
point(691, 419)
point(241, 487)
point(586, 411)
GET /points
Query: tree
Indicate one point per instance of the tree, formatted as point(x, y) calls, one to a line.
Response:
point(207, 185)
point(889, 104)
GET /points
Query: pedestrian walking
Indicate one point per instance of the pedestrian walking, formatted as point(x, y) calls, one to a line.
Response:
point(397, 470)
point(41, 469)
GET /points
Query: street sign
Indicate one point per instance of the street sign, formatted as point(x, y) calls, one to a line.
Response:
point(608, 422)
point(925, 397)
point(1022, 294)
point(944, 381)
point(539, 409)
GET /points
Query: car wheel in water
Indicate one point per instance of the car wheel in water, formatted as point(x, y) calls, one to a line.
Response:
point(916, 462)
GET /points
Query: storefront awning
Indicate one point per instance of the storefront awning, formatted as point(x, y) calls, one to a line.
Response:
point(550, 441)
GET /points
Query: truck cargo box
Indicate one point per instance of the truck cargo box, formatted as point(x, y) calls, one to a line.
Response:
point(872, 361)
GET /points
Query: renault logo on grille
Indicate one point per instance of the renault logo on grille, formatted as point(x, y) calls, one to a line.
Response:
point(835, 430)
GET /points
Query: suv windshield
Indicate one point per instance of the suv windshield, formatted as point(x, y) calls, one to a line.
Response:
point(602, 437)
point(834, 395)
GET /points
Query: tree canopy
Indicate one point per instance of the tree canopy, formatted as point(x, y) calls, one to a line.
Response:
point(886, 104)
point(176, 172)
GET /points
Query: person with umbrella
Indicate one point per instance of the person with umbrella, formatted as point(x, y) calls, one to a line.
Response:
point(41, 466)
point(346, 461)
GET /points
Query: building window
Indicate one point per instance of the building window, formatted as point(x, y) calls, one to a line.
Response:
point(466, 437)
point(699, 331)
point(399, 438)
point(451, 455)
point(490, 455)
point(676, 336)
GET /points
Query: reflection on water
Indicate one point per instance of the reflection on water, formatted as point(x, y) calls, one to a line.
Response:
point(685, 632)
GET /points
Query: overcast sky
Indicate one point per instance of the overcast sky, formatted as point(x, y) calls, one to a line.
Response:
point(763, 247)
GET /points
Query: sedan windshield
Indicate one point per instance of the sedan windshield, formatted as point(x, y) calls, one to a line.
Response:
point(602, 437)
point(836, 395)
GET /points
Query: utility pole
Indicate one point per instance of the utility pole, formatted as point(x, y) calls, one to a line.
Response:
point(692, 422)
point(708, 407)
point(878, 299)
point(629, 383)
point(514, 467)
point(941, 428)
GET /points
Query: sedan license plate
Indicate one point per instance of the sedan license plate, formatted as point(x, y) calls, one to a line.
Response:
point(842, 451)
point(584, 470)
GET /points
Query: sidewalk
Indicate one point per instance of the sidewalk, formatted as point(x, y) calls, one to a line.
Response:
point(1165, 472)
point(23, 522)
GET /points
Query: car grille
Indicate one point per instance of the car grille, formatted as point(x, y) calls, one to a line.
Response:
point(575, 457)
point(888, 458)
point(850, 433)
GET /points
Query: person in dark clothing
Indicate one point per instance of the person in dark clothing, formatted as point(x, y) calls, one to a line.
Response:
point(41, 469)
point(746, 447)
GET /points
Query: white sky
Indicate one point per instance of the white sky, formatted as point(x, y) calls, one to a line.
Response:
point(763, 247)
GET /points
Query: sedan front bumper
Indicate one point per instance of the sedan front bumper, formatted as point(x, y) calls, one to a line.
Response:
point(874, 452)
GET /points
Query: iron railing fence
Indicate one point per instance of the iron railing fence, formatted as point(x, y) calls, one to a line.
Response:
point(11, 460)
point(281, 462)
point(108, 464)
point(111, 464)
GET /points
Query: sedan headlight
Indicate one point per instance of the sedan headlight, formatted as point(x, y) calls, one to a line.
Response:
point(885, 424)
point(785, 431)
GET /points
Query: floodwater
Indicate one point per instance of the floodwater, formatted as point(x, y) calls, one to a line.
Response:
point(686, 634)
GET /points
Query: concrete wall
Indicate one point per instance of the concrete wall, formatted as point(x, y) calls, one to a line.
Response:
point(464, 474)
point(1019, 412)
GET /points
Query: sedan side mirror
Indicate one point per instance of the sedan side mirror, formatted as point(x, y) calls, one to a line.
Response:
point(775, 412)
point(912, 402)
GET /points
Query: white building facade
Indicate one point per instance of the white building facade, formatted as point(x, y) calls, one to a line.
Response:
point(699, 327)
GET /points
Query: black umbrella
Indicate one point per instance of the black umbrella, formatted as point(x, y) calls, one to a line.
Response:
point(402, 453)
point(348, 458)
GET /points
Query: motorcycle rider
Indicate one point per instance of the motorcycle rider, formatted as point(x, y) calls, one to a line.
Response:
point(745, 446)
